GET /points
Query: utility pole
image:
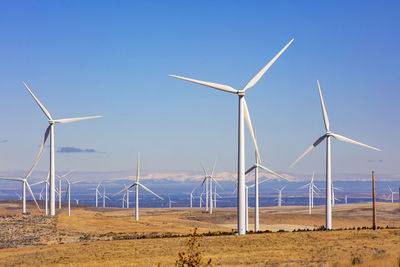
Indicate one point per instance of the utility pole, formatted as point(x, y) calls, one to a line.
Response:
point(373, 202)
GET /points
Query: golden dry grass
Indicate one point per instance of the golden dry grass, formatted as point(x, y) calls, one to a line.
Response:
point(338, 248)
point(335, 248)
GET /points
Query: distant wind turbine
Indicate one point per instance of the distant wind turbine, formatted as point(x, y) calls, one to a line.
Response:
point(257, 165)
point(25, 185)
point(68, 192)
point(333, 194)
point(243, 115)
point(311, 190)
point(209, 192)
point(50, 130)
point(137, 184)
point(328, 134)
point(392, 193)
point(280, 196)
point(170, 202)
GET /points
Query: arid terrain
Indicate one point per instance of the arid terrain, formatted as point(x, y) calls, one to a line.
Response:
point(111, 236)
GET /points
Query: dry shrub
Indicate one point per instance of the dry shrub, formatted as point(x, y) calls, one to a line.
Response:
point(193, 257)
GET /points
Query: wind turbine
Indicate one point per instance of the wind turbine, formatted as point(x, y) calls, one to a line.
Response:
point(19, 196)
point(392, 193)
point(50, 130)
point(311, 186)
point(59, 186)
point(77, 201)
point(257, 165)
point(201, 199)
point(69, 192)
point(280, 196)
point(97, 193)
point(137, 184)
point(170, 202)
point(243, 114)
point(191, 197)
point(25, 185)
point(209, 193)
point(328, 134)
point(333, 194)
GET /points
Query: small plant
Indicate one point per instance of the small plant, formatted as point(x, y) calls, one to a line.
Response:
point(356, 260)
point(193, 256)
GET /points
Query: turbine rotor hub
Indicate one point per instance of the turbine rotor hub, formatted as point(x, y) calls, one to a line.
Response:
point(241, 93)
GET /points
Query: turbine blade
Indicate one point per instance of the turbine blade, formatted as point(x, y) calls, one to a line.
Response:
point(217, 183)
point(274, 173)
point(319, 140)
point(390, 189)
point(249, 170)
point(38, 156)
point(212, 172)
point(75, 119)
point(40, 182)
point(145, 188)
point(348, 140)
point(324, 114)
point(11, 179)
point(38, 102)
point(221, 87)
point(126, 188)
point(33, 196)
point(203, 181)
point(258, 76)
point(250, 127)
point(204, 170)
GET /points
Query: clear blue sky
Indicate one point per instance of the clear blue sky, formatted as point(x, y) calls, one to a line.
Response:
point(113, 58)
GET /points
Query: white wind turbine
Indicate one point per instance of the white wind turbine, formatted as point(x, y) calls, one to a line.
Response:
point(280, 196)
point(311, 190)
point(243, 114)
point(333, 194)
point(77, 201)
point(170, 202)
point(191, 197)
point(137, 184)
point(19, 196)
point(392, 193)
point(69, 192)
point(208, 179)
point(97, 193)
point(257, 165)
point(59, 186)
point(328, 134)
point(201, 199)
point(50, 130)
point(25, 185)
point(104, 196)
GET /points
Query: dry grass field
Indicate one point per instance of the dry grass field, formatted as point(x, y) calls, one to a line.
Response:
point(110, 236)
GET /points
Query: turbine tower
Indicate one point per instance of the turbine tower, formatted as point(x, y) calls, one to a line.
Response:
point(50, 130)
point(328, 134)
point(243, 115)
point(137, 184)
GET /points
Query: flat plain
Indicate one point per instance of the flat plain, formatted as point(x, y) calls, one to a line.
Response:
point(110, 236)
